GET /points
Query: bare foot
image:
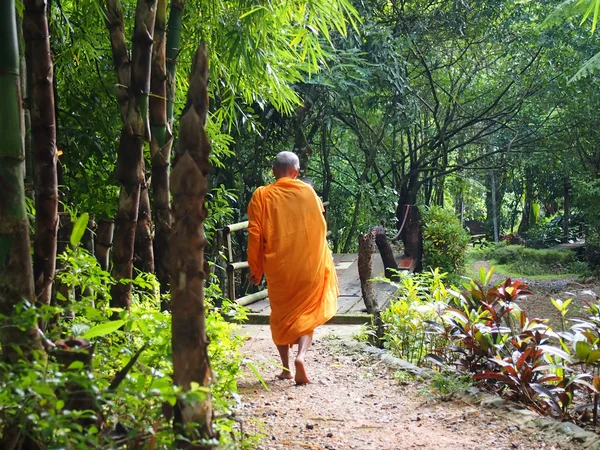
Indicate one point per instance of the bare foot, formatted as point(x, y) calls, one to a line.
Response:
point(301, 375)
point(285, 375)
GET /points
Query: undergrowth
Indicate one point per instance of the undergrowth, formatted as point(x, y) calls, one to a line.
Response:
point(522, 261)
point(479, 331)
point(136, 412)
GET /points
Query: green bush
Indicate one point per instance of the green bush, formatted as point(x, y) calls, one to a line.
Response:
point(510, 254)
point(529, 261)
point(485, 251)
point(445, 241)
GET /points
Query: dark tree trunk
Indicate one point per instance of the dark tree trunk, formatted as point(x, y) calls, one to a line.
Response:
point(104, 239)
point(301, 146)
point(43, 131)
point(132, 95)
point(143, 252)
point(409, 222)
point(354, 224)
point(189, 185)
point(327, 175)
point(77, 396)
point(16, 276)
point(566, 208)
point(527, 217)
point(386, 252)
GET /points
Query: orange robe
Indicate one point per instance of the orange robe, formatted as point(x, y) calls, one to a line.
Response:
point(287, 243)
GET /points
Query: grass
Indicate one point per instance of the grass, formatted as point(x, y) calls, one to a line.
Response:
point(518, 261)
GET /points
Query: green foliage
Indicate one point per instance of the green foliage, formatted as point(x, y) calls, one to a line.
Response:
point(445, 241)
point(414, 304)
point(34, 394)
point(550, 231)
point(482, 332)
point(445, 385)
point(529, 261)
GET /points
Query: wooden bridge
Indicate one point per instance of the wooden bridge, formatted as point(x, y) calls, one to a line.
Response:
point(351, 306)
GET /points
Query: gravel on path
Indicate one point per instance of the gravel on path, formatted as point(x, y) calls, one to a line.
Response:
point(356, 402)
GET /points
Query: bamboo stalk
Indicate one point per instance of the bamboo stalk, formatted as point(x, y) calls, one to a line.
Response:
point(43, 131)
point(133, 88)
point(160, 147)
point(16, 276)
point(173, 47)
point(189, 185)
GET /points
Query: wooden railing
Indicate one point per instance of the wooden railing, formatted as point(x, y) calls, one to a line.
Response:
point(232, 267)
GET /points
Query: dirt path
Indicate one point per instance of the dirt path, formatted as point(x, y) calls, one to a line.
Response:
point(355, 402)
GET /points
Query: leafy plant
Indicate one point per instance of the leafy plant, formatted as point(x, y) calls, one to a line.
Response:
point(445, 241)
point(445, 385)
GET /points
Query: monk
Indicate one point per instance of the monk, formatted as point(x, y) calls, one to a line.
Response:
point(287, 243)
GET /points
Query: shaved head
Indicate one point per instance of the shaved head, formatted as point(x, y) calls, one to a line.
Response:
point(286, 164)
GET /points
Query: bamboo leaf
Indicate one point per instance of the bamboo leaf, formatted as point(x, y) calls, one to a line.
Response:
point(103, 329)
point(79, 229)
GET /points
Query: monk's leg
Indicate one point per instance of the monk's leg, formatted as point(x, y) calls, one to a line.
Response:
point(284, 352)
point(301, 375)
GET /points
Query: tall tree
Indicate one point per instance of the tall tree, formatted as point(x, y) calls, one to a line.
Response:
point(43, 130)
point(189, 185)
point(16, 277)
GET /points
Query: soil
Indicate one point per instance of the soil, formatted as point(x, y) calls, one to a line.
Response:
point(356, 402)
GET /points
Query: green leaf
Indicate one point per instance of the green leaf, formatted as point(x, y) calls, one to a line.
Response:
point(76, 365)
point(104, 328)
point(593, 357)
point(79, 229)
point(582, 350)
point(79, 328)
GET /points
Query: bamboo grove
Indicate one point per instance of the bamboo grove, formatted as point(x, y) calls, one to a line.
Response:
point(146, 40)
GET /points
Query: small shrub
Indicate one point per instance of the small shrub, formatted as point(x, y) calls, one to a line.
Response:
point(405, 320)
point(445, 385)
point(445, 241)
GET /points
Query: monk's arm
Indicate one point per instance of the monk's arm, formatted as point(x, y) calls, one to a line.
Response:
point(255, 238)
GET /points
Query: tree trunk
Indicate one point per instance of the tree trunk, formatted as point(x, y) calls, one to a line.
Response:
point(408, 222)
point(526, 218)
point(189, 185)
point(104, 239)
point(354, 224)
point(386, 252)
point(143, 252)
point(365, 273)
point(301, 146)
point(16, 276)
point(160, 146)
point(566, 209)
point(132, 95)
point(43, 131)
